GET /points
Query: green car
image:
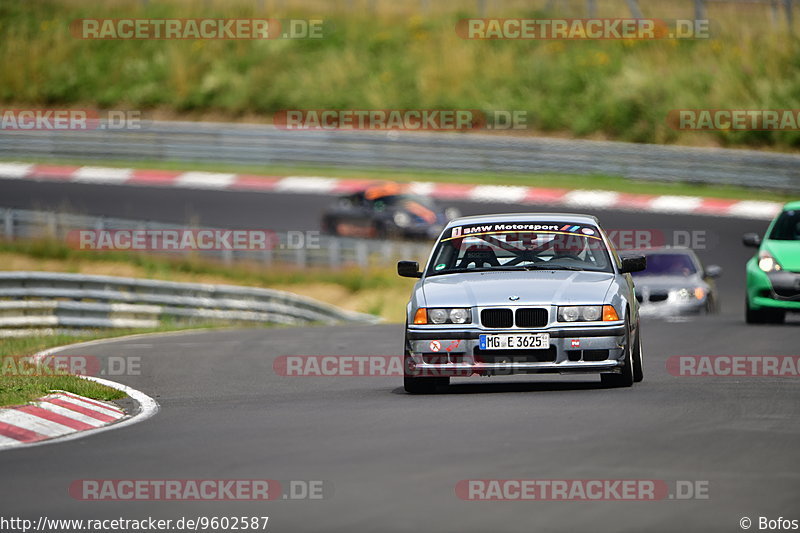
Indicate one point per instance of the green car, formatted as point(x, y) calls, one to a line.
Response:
point(773, 274)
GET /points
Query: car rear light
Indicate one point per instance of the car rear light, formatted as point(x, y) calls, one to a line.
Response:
point(609, 313)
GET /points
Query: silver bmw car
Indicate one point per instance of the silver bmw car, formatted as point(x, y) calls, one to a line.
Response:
point(522, 293)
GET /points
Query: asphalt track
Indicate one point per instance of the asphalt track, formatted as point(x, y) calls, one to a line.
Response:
point(391, 461)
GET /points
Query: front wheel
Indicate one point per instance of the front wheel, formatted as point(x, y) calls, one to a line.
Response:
point(763, 316)
point(329, 227)
point(421, 385)
point(626, 377)
point(638, 366)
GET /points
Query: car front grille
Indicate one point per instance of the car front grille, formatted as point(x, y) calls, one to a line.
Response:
point(531, 317)
point(527, 317)
point(658, 296)
point(497, 318)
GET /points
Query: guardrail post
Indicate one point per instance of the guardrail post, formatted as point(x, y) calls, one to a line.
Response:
point(405, 252)
point(787, 6)
point(334, 253)
point(362, 256)
point(52, 225)
point(301, 257)
point(699, 9)
point(591, 8)
point(633, 5)
point(387, 252)
point(8, 224)
point(227, 257)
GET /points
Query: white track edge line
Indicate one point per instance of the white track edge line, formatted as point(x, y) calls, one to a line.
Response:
point(148, 407)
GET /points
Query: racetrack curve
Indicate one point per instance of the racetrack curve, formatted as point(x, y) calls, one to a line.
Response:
point(393, 460)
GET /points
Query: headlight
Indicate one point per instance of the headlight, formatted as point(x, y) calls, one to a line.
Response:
point(592, 313)
point(401, 219)
point(458, 315)
point(767, 263)
point(586, 313)
point(569, 314)
point(437, 316)
point(451, 212)
point(691, 293)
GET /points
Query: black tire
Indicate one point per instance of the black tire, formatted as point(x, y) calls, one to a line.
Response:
point(752, 316)
point(625, 378)
point(778, 316)
point(638, 365)
point(329, 227)
point(711, 305)
point(763, 316)
point(421, 385)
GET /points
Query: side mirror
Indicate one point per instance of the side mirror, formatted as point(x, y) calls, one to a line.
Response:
point(713, 271)
point(633, 263)
point(753, 240)
point(408, 269)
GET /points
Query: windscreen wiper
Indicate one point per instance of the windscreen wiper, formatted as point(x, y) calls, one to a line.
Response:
point(553, 267)
point(485, 269)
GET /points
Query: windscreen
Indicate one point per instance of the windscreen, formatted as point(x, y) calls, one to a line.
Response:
point(668, 265)
point(520, 246)
point(787, 227)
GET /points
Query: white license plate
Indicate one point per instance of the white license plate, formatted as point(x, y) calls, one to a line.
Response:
point(522, 341)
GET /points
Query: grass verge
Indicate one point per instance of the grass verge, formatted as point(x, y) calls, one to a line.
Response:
point(374, 57)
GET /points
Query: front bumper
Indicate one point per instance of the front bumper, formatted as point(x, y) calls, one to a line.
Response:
point(780, 290)
point(670, 309)
point(456, 351)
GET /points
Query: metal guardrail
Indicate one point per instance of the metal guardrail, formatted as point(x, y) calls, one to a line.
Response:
point(266, 145)
point(57, 301)
point(298, 249)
